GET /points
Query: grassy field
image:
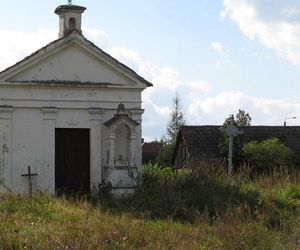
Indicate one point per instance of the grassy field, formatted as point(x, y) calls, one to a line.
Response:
point(185, 210)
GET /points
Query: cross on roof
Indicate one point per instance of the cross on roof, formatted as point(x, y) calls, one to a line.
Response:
point(70, 2)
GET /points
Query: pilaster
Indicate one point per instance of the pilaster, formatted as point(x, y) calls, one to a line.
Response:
point(132, 143)
point(111, 141)
point(49, 117)
point(6, 146)
point(95, 147)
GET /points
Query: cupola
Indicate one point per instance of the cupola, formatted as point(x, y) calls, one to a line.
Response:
point(69, 18)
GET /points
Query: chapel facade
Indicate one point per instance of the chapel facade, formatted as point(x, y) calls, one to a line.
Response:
point(72, 113)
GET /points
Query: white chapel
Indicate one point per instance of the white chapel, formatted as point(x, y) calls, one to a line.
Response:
point(70, 116)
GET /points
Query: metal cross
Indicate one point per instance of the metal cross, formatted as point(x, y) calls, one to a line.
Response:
point(29, 176)
point(232, 131)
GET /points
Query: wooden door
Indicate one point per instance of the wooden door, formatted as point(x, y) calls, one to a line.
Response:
point(72, 160)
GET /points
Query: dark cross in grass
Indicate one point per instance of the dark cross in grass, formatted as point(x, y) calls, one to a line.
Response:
point(29, 176)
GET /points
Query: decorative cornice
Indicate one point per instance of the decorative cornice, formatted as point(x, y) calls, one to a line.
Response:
point(136, 111)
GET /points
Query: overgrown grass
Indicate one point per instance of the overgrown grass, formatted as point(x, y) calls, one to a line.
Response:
point(189, 209)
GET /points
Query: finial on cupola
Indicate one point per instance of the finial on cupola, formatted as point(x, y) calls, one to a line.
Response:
point(69, 18)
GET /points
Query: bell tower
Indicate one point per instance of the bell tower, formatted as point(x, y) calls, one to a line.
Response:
point(69, 18)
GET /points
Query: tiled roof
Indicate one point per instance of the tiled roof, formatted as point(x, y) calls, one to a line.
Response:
point(204, 140)
point(201, 140)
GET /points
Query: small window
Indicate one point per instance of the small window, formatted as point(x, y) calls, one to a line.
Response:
point(72, 23)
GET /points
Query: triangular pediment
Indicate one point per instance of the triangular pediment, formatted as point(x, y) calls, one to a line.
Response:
point(73, 59)
point(121, 119)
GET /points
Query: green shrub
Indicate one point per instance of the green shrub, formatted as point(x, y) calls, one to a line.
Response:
point(268, 155)
point(164, 157)
point(184, 194)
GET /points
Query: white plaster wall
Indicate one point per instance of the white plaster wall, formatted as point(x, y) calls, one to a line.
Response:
point(72, 64)
point(64, 22)
point(119, 177)
point(30, 148)
point(32, 131)
point(69, 97)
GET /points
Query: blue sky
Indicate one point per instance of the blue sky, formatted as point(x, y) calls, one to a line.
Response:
point(219, 55)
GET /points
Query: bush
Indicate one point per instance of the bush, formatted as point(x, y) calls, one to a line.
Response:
point(268, 155)
point(238, 156)
point(184, 194)
point(164, 157)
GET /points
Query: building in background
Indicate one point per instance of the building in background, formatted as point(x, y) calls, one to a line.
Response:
point(201, 143)
point(150, 151)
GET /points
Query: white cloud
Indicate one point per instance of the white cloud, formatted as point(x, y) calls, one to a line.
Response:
point(15, 45)
point(161, 77)
point(199, 86)
point(217, 46)
point(126, 55)
point(223, 14)
point(96, 35)
point(161, 110)
point(165, 80)
point(274, 24)
point(214, 109)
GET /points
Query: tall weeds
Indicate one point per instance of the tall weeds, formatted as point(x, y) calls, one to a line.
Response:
point(196, 208)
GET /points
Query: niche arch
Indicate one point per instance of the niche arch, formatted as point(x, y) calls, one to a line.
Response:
point(121, 140)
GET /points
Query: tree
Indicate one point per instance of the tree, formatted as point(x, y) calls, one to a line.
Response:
point(176, 120)
point(242, 119)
